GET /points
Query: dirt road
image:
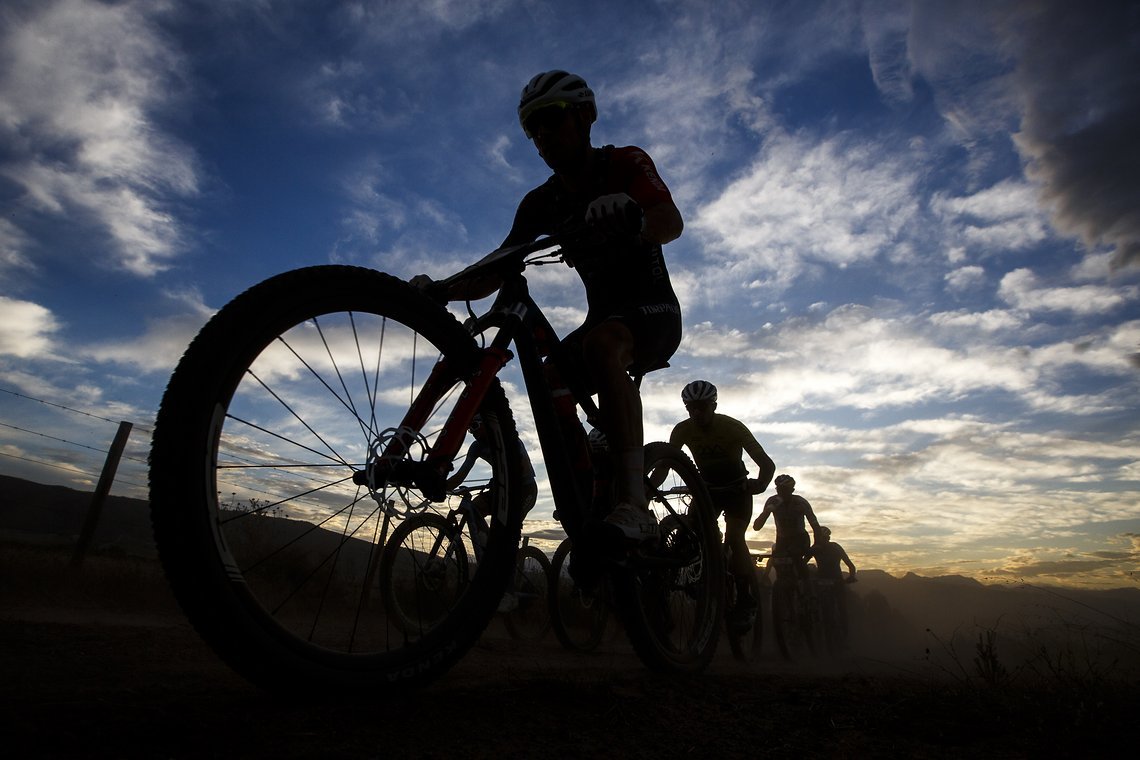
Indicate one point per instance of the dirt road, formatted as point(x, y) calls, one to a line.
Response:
point(87, 671)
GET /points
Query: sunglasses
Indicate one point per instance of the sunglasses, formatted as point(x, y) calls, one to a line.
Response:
point(547, 117)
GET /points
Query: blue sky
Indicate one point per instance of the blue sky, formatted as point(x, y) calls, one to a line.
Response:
point(910, 257)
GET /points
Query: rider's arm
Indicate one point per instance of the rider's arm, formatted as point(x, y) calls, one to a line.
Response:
point(763, 518)
point(811, 518)
point(663, 223)
point(847, 560)
point(763, 461)
point(461, 473)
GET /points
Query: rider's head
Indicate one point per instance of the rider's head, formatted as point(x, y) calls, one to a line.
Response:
point(698, 391)
point(556, 110)
point(785, 484)
point(553, 95)
point(823, 534)
point(699, 398)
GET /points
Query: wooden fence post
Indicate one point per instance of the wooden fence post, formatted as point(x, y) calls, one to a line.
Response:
point(110, 467)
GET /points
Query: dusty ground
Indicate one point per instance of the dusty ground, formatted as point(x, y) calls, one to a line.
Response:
point(101, 664)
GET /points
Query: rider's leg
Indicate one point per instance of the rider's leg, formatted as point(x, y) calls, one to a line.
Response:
point(608, 350)
point(741, 568)
point(741, 562)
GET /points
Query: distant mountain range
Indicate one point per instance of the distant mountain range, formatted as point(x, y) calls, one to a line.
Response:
point(33, 513)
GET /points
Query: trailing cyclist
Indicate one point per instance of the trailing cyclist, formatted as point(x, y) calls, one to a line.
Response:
point(789, 511)
point(478, 450)
point(827, 556)
point(717, 443)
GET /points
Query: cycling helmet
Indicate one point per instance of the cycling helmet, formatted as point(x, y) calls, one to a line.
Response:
point(785, 480)
point(556, 88)
point(698, 390)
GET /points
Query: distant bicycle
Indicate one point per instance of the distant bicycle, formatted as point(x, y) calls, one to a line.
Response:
point(795, 608)
point(831, 598)
point(578, 617)
point(426, 568)
point(745, 640)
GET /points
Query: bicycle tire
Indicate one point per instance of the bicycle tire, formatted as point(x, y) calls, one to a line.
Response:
point(424, 571)
point(832, 619)
point(745, 642)
point(577, 618)
point(278, 402)
point(791, 622)
point(529, 620)
point(672, 615)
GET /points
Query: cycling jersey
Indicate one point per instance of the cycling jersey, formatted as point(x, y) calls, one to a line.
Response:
point(624, 280)
point(619, 274)
point(789, 514)
point(718, 448)
point(827, 559)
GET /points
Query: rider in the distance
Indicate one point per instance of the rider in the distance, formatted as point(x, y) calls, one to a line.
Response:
point(789, 510)
point(633, 322)
point(717, 443)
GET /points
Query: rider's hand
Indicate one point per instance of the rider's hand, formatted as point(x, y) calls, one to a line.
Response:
point(429, 287)
point(756, 524)
point(615, 215)
point(754, 486)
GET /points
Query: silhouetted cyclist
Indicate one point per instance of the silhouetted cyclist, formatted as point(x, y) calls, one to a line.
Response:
point(789, 511)
point(478, 450)
point(633, 319)
point(828, 555)
point(717, 443)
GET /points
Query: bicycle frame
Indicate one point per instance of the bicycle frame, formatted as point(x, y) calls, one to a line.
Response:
point(519, 321)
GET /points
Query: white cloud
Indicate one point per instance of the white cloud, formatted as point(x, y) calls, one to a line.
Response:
point(1003, 217)
point(79, 84)
point(26, 329)
point(1022, 289)
point(965, 278)
point(835, 202)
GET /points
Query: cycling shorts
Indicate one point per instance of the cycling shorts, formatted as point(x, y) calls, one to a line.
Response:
point(795, 545)
point(656, 330)
point(734, 505)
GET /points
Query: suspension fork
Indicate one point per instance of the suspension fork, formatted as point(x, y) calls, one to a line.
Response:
point(392, 465)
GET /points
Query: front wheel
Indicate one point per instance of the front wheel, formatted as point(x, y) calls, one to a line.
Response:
point(526, 609)
point(274, 477)
point(577, 615)
point(423, 574)
point(744, 641)
point(792, 621)
point(672, 593)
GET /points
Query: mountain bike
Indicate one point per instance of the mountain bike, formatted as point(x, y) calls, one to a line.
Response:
point(333, 393)
point(578, 616)
point(745, 640)
point(425, 569)
point(795, 608)
point(831, 596)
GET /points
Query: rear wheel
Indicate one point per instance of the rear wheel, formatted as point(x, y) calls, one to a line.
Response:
point(424, 573)
point(744, 640)
point(527, 617)
point(672, 592)
point(792, 619)
point(577, 616)
point(269, 497)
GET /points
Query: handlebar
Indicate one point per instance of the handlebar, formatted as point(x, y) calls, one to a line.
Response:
point(512, 259)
